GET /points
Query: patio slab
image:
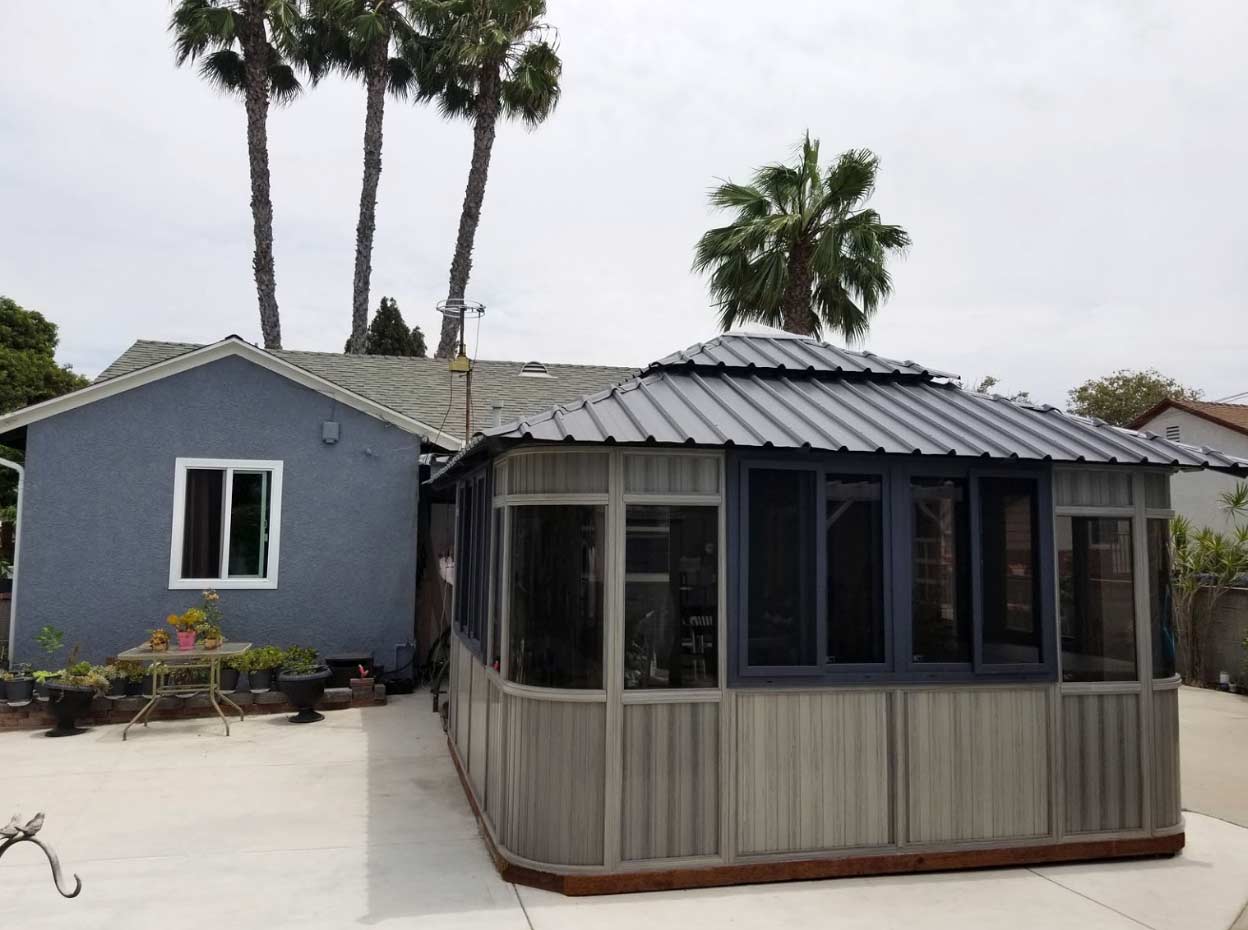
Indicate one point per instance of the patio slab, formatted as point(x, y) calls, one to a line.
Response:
point(360, 820)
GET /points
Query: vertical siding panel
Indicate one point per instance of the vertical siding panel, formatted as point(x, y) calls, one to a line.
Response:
point(1101, 761)
point(1167, 803)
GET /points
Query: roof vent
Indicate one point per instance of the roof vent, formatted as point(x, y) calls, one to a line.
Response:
point(534, 370)
point(1173, 433)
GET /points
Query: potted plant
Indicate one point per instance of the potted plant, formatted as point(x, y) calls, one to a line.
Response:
point(302, 679)
point(209, 636)
point(229, 674)
point(133, 674)
point(116, 679)
point(185, 624)
point(262, 664)
point(209, 629)
point(19, 684)
point(42, 677)
point(159, 641)
point(70, 696)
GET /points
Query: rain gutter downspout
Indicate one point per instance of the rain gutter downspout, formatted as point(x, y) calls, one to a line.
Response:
point(17, 551)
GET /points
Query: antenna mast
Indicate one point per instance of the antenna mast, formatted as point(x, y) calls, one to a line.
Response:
point(462, 310)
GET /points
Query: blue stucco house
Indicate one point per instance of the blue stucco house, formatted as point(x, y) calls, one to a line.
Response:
point(288, 481)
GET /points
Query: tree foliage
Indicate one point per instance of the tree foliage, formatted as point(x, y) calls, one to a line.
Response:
point(1120, 397)
point(388, 333)
point(28, 369)
point(804, 252)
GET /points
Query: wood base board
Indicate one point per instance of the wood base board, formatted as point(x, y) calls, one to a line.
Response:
point(810, 869)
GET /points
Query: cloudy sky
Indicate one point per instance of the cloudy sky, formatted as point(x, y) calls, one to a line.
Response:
point(1072, 174)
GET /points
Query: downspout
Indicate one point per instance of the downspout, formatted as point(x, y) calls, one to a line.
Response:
point(17, 551)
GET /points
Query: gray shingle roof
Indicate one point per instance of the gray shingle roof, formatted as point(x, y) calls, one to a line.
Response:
point(694, 398)
point(420, 387)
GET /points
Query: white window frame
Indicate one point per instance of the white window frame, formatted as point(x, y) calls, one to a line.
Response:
point(229, 466)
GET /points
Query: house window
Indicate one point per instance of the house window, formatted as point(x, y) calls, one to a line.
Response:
point(781, 626)
point(1097, 598)
point(854, 527)
point(671, 596)
point(555, 616)
point(226, 524)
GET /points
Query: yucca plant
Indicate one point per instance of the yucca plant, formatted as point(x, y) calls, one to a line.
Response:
point(244, 47)
point(804, 252)
point(1206, 564)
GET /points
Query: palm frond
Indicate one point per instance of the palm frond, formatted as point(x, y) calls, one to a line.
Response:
point(284, 85)
point(224, 70)
point(530, 88)
point(200, 25)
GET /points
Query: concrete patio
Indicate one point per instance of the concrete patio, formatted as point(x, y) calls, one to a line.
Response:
point(360, 820)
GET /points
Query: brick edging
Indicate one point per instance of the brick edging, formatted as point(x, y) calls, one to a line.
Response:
point(35, 715)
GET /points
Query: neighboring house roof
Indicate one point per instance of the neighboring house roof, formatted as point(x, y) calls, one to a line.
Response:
point(701, 397)
point(1232, 416)
point(418, 395)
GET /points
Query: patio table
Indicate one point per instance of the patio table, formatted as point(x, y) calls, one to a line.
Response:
point(199, 657)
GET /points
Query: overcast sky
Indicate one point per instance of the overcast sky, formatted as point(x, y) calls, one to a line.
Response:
point(1072, 174)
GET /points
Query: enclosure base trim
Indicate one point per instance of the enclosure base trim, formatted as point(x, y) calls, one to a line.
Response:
point(582, 883)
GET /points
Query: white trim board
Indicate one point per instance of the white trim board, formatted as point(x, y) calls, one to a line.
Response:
point(274, 527)
point(230, 346)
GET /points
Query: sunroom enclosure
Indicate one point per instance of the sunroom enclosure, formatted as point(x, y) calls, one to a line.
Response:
point(674, 667)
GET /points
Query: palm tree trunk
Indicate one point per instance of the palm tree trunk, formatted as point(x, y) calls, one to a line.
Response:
point(256, 99)
point(483, 128)
point(374, 110)
point(795, 306)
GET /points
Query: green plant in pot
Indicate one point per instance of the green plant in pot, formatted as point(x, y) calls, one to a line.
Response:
point(116, 680)
point(302, 679)
point(70, 696)
point(262, 664)
point(42, 677)
point(132, 675)
point(17, 685)
point(51, 641)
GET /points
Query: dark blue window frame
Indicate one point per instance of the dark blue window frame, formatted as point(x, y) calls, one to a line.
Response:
point(895, 475)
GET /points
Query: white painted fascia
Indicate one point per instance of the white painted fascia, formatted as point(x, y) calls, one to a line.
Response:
point(229, 346)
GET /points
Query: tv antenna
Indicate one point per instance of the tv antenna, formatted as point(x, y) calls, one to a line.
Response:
point(457, 308)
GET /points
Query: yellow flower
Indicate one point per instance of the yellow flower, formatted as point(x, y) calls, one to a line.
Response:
point(173, 619)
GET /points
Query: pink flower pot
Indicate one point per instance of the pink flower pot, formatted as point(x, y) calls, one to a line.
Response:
point(186, 640)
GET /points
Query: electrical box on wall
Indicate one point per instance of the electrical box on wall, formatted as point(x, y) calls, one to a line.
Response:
point(329, 432)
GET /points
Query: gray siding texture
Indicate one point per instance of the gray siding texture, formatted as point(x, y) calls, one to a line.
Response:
point(97, 516)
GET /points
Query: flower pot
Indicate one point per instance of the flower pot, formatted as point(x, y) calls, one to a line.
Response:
point(134, 688)
point(117, 687)
point(186, 640)
point(211, 644)
point(146, 685)
point(304, 690)
point(19, 689)
point(159, 647)
point(260, 679)
point(68, 703)
point(41, 687)
point(229, 679)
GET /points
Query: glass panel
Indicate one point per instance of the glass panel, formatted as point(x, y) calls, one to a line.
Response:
point(671, 597)
point(557, 596)
point(1160, 599)
point(496, 587)
point(940, 597)
point(201, 523)
point(854, 523)
point(1097, 598)
point(249, 525)
point(480, 560)
point(1011, 570)
point(781, 610)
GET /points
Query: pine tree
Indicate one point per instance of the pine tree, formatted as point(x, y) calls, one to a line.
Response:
point(388, 333)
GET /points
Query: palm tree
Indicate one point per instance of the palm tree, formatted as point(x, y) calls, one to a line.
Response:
point(490, 58)
point(371, 40)
point(243, 47)
point(803, 253)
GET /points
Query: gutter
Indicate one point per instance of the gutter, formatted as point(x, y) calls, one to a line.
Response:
point(17, 551)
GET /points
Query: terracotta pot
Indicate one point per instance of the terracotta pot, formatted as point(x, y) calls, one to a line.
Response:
point(186, 640)
point(212, 644)
point(160, 647)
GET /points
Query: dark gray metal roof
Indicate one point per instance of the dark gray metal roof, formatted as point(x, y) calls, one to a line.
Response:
point(788, 352)
point(693, 399)
point(420, 388)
